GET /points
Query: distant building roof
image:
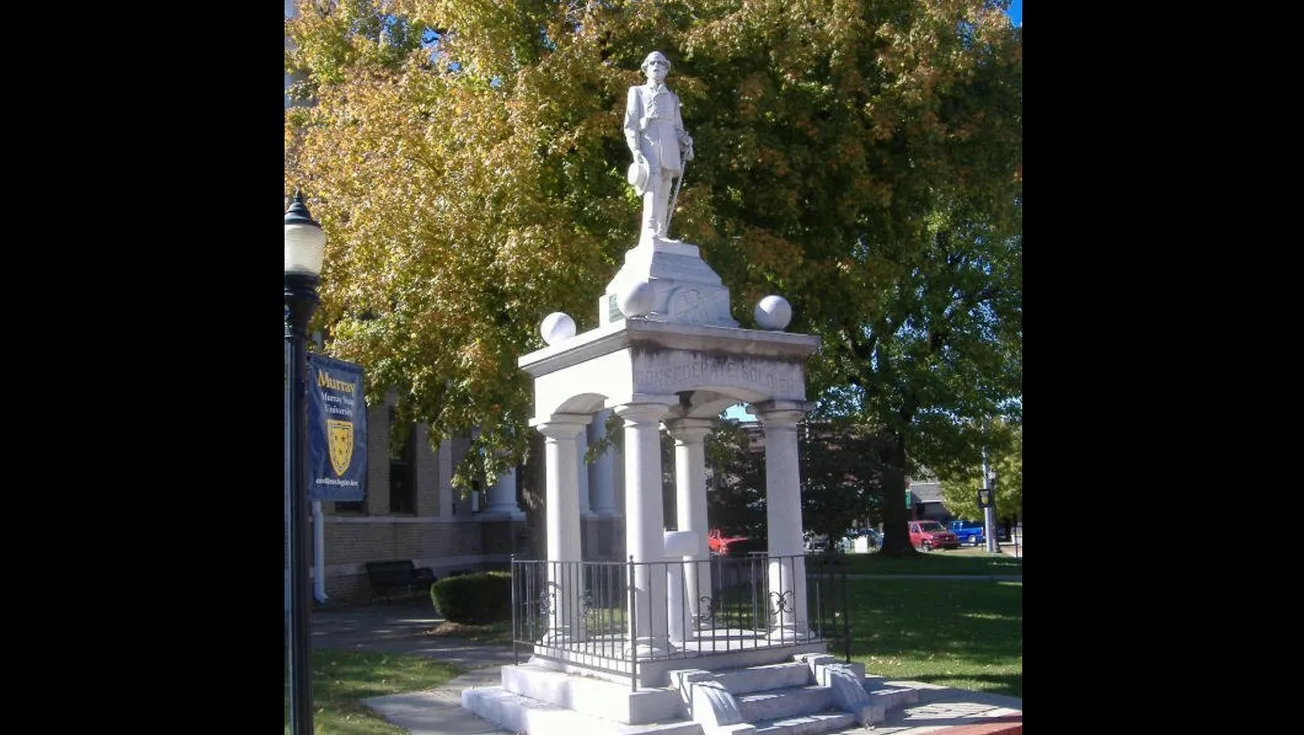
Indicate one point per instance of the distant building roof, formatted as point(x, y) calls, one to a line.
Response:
point(926, 492)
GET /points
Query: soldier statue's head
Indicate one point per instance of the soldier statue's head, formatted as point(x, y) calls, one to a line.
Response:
point(654, 57)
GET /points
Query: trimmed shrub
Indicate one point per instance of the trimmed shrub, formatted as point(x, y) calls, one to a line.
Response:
point(474, 599)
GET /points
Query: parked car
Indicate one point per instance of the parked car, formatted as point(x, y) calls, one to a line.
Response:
point(719, 544)
point(969, 532)
point(815, 543)
point(929, 535)
point(873, 540)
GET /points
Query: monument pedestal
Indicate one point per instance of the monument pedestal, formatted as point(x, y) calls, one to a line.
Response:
point(684, 287)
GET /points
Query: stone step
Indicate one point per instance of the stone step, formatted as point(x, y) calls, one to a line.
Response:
point(892, 697)
point(604, 699)
point(765, 678)
point(808, 696)
point(813, 724)
point(520, 714)
point(789, 702)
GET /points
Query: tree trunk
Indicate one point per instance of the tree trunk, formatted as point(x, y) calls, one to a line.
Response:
point(896, 539)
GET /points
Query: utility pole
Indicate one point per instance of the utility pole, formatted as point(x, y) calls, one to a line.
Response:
point(989, 512)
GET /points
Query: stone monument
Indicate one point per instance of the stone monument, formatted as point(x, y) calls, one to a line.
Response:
point(667, 352)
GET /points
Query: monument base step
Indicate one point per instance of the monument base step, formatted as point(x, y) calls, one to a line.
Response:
point(809, 695)
point(812, 724)
point(526, 715)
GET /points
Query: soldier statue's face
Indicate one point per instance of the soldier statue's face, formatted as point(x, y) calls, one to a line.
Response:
point(656, 70)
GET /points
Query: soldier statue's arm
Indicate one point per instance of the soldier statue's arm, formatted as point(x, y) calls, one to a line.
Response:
point(685, 140)
point(633, 114)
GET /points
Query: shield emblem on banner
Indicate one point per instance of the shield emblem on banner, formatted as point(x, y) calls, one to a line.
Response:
point(340, 434)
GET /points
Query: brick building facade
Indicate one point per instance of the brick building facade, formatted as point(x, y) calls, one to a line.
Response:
point(411, 511)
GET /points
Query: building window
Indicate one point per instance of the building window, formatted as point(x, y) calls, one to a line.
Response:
point(402, 470)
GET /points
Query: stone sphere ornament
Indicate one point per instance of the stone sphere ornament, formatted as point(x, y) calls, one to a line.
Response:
point(636, 299)
point(556, 327)
point(773, 313)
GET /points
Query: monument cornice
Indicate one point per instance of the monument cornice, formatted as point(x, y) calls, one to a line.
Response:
point(646, 334)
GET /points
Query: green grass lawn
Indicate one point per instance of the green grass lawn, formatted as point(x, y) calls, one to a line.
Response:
point(958, 561)
point(963, 634)
point(342, 679)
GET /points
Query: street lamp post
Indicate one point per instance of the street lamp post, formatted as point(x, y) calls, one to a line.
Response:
point(989, 511)
point(304, 245)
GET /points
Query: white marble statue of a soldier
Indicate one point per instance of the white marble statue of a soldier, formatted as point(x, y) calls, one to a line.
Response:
point(655, 134)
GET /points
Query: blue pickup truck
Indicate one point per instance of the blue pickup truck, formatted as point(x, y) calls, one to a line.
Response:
point(969, 532)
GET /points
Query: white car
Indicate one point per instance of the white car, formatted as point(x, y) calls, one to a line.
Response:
point(815, 543)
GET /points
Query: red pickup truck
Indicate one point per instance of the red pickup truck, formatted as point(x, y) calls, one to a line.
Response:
point(929, 535)
point(718, 543)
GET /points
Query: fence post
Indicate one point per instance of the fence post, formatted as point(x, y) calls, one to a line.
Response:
point(846, 615)
point(516, 659)
point(632, 628)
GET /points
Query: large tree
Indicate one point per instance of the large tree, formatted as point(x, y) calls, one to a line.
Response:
point(860, 157)
point(736, 493)
point(960, 482)
point(841, 477)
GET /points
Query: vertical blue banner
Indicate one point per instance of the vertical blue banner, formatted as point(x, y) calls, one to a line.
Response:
point(337, 430)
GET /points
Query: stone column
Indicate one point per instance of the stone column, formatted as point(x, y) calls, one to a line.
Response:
point(690, 503)
point(644, 526)
point(502, 495)
point(602, 491)
point(679, 549)
point(565, 613)
point(787, 576)
point(582, 477)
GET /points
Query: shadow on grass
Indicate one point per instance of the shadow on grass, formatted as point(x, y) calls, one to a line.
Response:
point(995, 683)
point(935, 562)
point(965, 634)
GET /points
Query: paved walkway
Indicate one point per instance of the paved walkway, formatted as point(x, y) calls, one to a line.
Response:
point(399, 627)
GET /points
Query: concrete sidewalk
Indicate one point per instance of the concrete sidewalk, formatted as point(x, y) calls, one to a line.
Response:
point(399, 627)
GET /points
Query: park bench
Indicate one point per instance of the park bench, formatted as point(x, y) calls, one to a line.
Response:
point(399, 576)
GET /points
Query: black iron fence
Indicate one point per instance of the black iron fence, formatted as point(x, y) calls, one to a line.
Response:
point(615, 615)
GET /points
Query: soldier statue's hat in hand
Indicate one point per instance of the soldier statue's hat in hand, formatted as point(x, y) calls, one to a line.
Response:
point(637, 176)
